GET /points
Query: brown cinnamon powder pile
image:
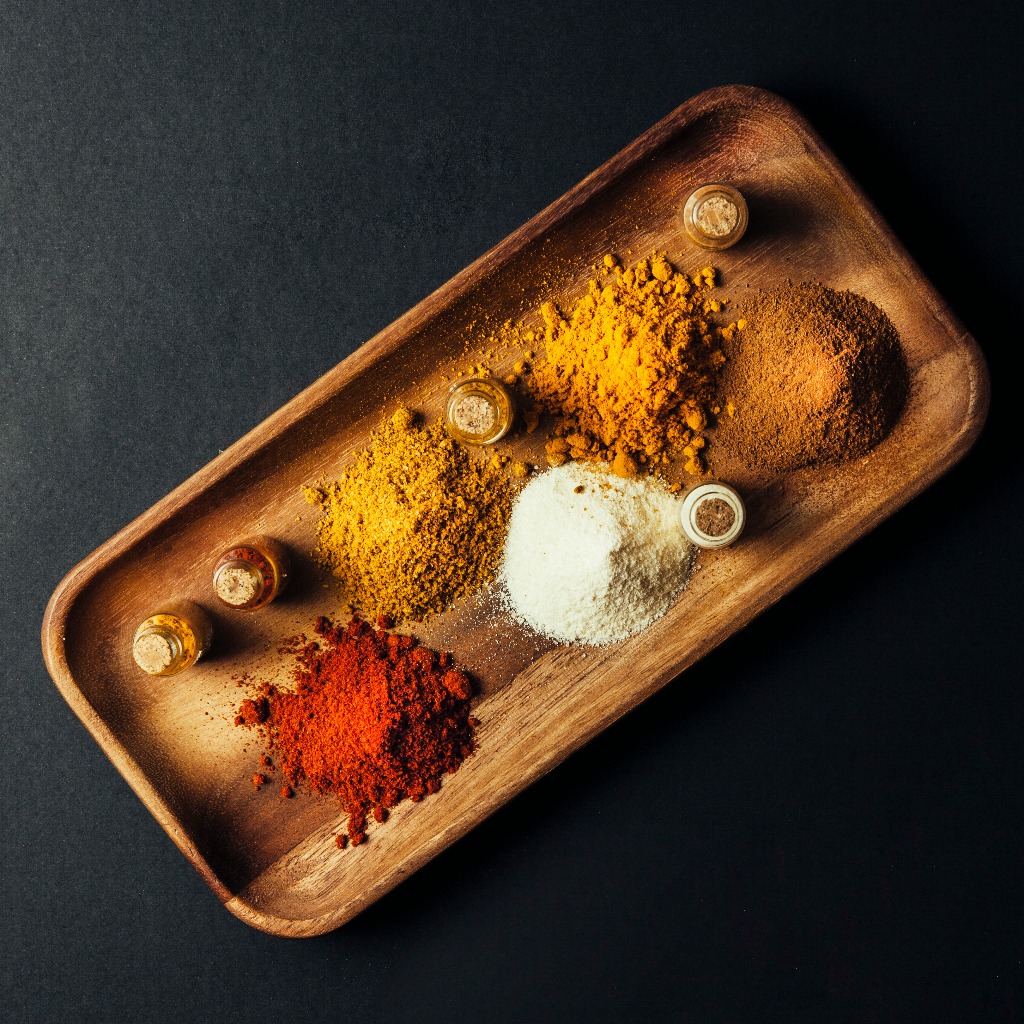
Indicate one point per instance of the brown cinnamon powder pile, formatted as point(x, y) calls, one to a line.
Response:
point(816, 377)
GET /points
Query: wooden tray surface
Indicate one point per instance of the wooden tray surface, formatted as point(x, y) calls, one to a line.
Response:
point(273, 862)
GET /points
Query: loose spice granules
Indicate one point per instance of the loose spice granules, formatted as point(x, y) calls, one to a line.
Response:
point(818, 376)
point(414, 524)
point(374, 718)
point(630, 368)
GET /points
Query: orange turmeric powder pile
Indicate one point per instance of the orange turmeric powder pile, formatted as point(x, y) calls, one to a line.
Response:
point(630, 370)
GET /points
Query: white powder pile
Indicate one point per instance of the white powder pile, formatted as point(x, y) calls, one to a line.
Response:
point(592, 558)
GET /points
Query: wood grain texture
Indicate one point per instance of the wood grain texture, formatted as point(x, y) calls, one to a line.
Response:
point(273, 862)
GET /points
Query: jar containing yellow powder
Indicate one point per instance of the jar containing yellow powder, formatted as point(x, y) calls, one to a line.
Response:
point(172, 639)
point(479, 410)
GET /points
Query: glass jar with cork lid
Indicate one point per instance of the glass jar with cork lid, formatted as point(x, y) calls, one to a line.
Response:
point(713, 515)
point(715, 216)
point(479, 410)
point(172, 639)
point(251, 573)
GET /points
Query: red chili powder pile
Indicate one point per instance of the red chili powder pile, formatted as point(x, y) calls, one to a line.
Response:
point(373, 718)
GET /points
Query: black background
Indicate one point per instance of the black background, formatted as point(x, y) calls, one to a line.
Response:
point(821, 821)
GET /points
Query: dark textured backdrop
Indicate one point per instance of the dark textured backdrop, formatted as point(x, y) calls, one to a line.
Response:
point(822, 821)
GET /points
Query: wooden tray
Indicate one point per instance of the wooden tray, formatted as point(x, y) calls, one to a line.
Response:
point(273, 862)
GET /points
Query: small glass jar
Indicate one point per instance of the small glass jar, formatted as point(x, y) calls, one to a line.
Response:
point(172, 639)
point(479, 410)
point(713, 515)
point(715, 216)
point(251, 573)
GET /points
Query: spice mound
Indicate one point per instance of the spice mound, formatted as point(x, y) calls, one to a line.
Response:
point(592, 558)
point(817, 377)
point(373, 718)
point(414, 524)
point(630, 369)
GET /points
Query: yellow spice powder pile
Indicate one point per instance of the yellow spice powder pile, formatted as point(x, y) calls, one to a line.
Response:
point(630, 370)
point(414, 524)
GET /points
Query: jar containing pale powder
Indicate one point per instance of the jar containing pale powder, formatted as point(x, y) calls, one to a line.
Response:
point(713, 515)
point(479, 410)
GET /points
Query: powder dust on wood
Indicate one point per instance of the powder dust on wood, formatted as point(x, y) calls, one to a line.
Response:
point(816, 376)
point(414, 523)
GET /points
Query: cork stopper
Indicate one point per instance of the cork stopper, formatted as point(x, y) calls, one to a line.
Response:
point(474, 414)
point(238, 583)
point(715, 216)
point(714, 517)
point(156, 650)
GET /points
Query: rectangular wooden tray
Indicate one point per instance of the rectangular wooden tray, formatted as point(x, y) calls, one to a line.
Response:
point(273, 862)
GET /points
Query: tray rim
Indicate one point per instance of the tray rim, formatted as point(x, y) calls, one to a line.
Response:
point(389, 340)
